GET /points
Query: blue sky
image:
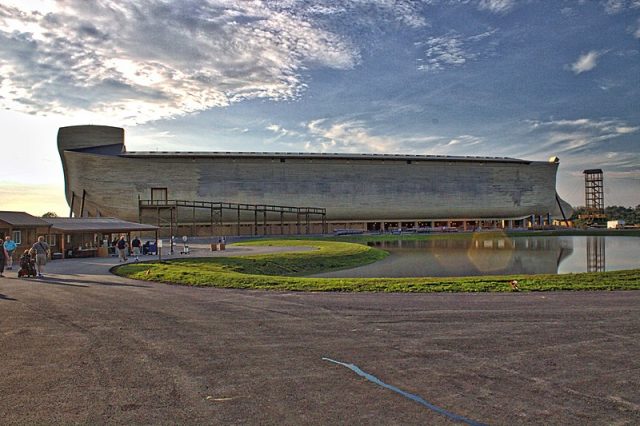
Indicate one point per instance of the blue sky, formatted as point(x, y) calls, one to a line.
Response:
point(524, 79)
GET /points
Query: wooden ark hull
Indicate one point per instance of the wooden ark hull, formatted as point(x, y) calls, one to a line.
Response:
point(103, 179)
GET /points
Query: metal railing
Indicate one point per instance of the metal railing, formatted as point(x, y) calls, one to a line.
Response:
point(218, 205)
point(215, 208)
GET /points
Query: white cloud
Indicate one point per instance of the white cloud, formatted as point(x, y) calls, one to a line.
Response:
point(616, 165)
point(281, 131)
point(446, 50)
point(621, 176)
point(346, 136)
point(604, 125)
point(354, 136)
point(621, 130)
point(607, 84)
point(145, 60)
point(453, 50)
point(496, 6)
point(613, 7)
point(466, 140)
point(404, 12)
point(561, 136)
point(586, 62)
point(274, 128)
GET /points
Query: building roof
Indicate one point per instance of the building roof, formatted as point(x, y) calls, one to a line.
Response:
point(96, 224)
point(312, 155)
point(21, 219)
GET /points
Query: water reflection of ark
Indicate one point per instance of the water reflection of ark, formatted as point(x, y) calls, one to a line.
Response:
point(465, 257)
point(596, 254)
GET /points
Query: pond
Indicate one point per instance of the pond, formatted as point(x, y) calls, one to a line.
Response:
point(484, 255)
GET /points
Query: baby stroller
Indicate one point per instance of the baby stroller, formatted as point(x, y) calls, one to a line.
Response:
point(27, 265)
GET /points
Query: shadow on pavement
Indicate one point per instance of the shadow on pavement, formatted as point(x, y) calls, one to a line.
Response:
point(4, 297)
point(84, 282)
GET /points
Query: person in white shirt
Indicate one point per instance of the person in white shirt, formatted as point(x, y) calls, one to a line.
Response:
point(41, 249)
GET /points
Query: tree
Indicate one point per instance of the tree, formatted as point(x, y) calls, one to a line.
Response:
point(630, 215)
point(50, 214)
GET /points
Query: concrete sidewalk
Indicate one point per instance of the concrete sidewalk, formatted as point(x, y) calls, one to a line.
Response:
point(83, 346)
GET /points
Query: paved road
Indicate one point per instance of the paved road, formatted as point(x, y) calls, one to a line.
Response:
point(82, 346)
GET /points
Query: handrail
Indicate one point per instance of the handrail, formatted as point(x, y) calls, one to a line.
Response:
point(219, 205)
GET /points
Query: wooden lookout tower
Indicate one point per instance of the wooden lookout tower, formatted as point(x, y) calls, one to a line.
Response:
point(594, 196)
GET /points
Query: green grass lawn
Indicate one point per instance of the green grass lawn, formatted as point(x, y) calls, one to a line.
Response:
point(285, 270)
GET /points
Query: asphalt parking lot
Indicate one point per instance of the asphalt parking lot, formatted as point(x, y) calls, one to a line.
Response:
point(84, 346)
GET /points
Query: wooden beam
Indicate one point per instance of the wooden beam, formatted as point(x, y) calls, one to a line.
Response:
point(73, 198)
point(84, 196)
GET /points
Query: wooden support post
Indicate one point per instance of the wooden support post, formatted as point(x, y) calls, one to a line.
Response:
point(177, 228)
point(84, 195)
point(193, 222)
point(255, 221)
point(171, 227)
point(73, 199)
point(281, 222)
point(298, 215)
point(238, 229)
point(62, 246)
point(264, 222)
point(211, 219)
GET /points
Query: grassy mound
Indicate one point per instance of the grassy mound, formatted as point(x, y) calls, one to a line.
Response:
point(282, 271)
point(241, 271)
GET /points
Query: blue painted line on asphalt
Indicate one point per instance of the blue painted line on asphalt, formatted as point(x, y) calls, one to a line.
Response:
point(411, 396)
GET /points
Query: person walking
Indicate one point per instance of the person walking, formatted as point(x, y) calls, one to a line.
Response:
point(41, 249)
point(122, 249)
point(135, 247)
point(10, 247)
point(3, 258)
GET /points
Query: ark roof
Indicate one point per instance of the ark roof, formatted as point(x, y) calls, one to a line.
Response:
point(308, 155)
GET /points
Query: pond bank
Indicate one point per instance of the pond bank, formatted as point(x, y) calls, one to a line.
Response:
point(281, 271)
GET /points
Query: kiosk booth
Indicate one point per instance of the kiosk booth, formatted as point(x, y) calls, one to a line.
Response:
point(95, 236)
